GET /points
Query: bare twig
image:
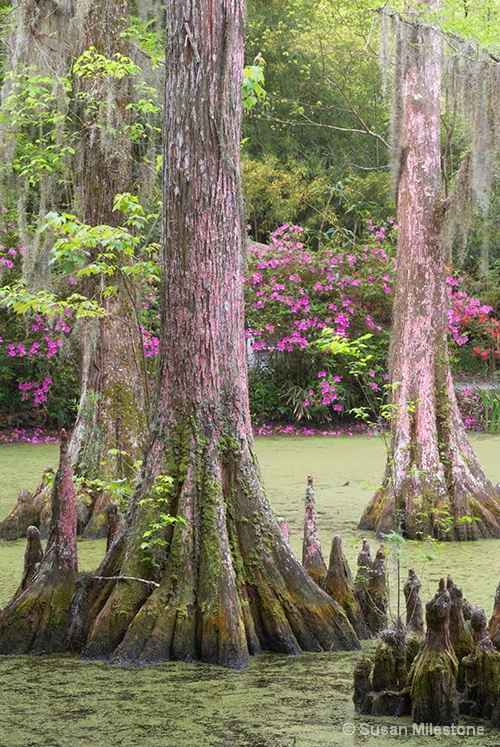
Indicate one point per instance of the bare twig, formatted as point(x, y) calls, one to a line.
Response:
point(126, 578)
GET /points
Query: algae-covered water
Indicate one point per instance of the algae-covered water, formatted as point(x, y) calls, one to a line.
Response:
point(278, 701)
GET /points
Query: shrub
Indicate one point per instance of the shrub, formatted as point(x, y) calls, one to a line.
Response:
point(295, 294)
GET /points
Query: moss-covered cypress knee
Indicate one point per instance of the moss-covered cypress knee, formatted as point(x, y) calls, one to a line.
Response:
point(433, 677)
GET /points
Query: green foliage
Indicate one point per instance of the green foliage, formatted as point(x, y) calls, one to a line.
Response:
point(336, 345)
point(291, 192)
point(324, 112)
point(266, 395)
point(144, 106)
point(119, 488)
point(478, 21)
point(93, 64)
point(158, 501)
point(20, 300)
point(310, 313)
point(253, 84)
point(490, 399)
point(35, 114)
point(112, 250)
point(149, 36)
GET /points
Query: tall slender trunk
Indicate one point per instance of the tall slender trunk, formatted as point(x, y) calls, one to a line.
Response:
point(433, 483)
point(112, 410)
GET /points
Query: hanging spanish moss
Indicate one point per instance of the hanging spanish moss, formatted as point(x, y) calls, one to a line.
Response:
point(471, 101)
point(38, 51)
point(433, 485)
point(41, 141)
point(76, 133)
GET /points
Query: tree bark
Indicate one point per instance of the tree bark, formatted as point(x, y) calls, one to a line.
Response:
point(112, 408)
point(229, 585)
point(433, 483)
point(37, 620)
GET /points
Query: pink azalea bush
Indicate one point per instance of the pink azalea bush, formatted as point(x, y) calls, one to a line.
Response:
point(294, 294)
point(36, 385)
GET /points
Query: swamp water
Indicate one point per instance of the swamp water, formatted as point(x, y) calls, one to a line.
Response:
point(278, 701)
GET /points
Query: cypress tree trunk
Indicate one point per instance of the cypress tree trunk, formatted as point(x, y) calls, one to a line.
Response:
point(37, 619)
point(47, 37)
point(433, 483)
point(112, 408)
point(229, 585)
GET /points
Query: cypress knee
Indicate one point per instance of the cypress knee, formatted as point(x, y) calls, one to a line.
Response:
point(312, 557)
point(494, 626)
point(32, 557)
point(433, 678)
point(365, 563)
point(23, 515)
point(482, 678)
point(478, 623)
point(414, 616)
point(113, 518)
point(362, 686)
point(340, 587)
point(389, 668)
point(378, 593)
point(461, 640)
point(414, 609)
point(284, 528)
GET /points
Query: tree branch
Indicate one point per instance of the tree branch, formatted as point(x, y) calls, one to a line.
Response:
point(126, 578)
